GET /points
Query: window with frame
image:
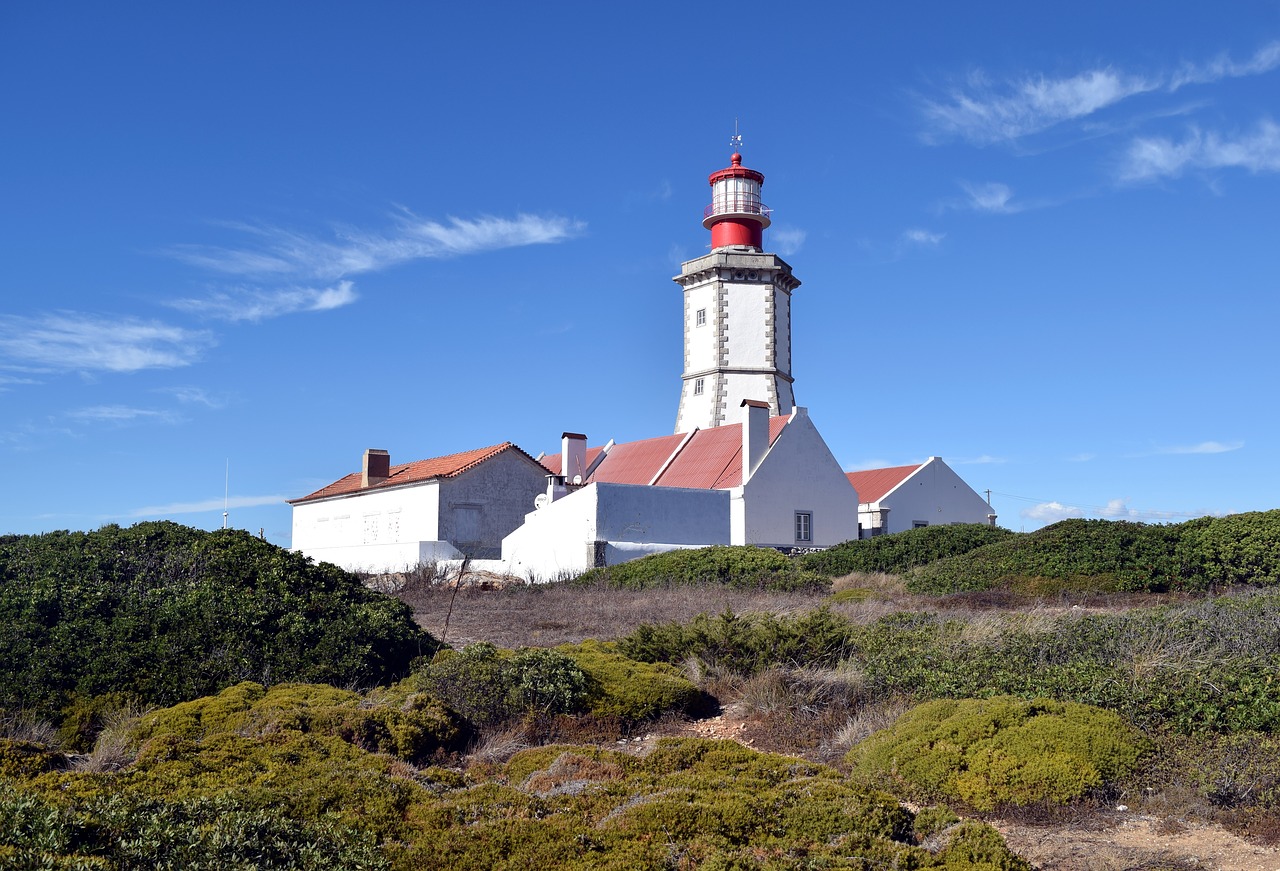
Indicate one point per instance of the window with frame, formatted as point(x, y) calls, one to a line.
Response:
point(919, 524)
point(700, 317)
point(804, 526)
point(698, 386)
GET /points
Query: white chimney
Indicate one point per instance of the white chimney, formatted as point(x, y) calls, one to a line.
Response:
point(573, 457)
point(375, 468)
point(755, 435)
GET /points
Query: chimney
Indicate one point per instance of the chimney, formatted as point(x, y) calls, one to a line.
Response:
point(573, 457)
point(755, 435)
point(376, 467)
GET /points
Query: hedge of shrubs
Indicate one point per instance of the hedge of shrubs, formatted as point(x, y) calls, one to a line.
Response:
point(1108, 555)
point(901, 551)
point(746, 567)
point(163, 613)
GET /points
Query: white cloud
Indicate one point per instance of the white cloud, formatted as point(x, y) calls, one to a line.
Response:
point(1081, 458)
point(1119, 508)
point(984, 460)
point(194, 396)
point(991, 197)
point(923, 238)
point(73, 341)
point(1051, 512)
point(1156, 157)
point(282, 252)
point(206, 505)
point(1203, 448)
point(787, 241)
point(122, 414)
point(984, 113)
point(255, 305)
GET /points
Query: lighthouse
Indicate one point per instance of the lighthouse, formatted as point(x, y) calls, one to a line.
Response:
point(737, 310)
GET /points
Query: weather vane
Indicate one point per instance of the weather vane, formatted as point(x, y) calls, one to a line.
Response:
point(736, 139)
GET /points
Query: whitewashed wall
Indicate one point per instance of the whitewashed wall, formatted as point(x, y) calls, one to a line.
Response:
point(378, 530)
point(798, 474)
point(559, 539)
point(934, 494)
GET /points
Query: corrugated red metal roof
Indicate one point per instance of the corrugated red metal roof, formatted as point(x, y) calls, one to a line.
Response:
point(551, 462)
point(409, 473)
point(872, 484)
point(712, 460)
point(635, 462)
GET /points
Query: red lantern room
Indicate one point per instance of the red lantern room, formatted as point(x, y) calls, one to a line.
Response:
point(736, 216)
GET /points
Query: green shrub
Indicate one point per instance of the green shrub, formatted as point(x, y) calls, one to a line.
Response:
point(164, 613)
point(412, 726)
point(489, 686)
point(900, 551)
point(627, 689)
point(745, 643)
point(1000, 751)
point(1236, 549)
point(740, 567)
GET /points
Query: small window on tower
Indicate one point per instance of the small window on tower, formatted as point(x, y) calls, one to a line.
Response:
point(698, 385)
point(701, 317)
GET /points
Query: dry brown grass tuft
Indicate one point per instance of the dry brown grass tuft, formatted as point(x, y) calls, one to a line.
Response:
point(494, 748)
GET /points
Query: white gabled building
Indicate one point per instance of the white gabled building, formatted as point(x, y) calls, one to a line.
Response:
point(768, 481)
point(908, 497)
point(387, 518)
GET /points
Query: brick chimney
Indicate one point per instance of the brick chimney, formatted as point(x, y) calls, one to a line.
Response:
point(376, 467)
point(755, 435)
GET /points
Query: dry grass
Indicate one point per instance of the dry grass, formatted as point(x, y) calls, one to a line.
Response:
point(114, 748)
point(551, 614)
point(24, 726)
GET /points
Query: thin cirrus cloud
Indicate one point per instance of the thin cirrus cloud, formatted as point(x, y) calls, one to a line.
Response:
point(1151, 158)
point(923, 238)
point(280, 253)
point(76, 341)
point(983, 112)
point(206, 505)
point(991, 197)
point(788, 240)
point(257, 305)
point(1210, 447)
point(122, 414)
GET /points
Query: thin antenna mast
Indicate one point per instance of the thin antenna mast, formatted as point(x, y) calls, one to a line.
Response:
point(226, 493)
point(736, 139)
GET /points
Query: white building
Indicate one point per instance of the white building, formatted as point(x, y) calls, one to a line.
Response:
point(389, 518)
point(768, 481)
point(908, 497)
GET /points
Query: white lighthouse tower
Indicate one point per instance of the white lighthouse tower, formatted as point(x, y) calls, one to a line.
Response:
point(737, 310)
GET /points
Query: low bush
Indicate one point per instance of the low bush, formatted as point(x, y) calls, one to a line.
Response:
point(489, 686)
point(900, 551)
point(744, 567)
point(989, 753)
point(745, 643)
point(411, 726)
point(633, 692)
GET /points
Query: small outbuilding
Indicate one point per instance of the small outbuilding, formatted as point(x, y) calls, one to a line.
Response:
point(908, 497)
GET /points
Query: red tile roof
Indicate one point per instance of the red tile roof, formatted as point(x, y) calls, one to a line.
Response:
point(873, 484)
point(410, 473)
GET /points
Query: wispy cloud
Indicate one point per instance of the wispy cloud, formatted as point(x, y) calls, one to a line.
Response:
point(922, 238)
point(122, 414)
point(991, 197)
point(194, 396)
point(205, 505)
point(788, 241)
point(281, 253)
point(1150, 158)
point(74, 341)
point(1051, 512)
point(257, 305)
point(984, 460)
point(1118, 508)
point(1081, 458)
point(1203, 448)
point(984, 112)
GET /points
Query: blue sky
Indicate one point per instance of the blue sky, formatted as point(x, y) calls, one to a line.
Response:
point(1040, 242)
